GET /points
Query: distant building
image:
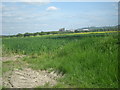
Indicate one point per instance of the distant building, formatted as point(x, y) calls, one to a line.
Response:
point(85, 29)
point(71, 30)
point(62, 29)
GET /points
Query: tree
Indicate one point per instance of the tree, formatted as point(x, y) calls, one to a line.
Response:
point(35, 34)
point(76, 31)
point(26, 34)
point(19, 35)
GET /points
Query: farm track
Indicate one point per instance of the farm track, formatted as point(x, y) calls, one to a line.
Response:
point(27, 77)
point(11, 58)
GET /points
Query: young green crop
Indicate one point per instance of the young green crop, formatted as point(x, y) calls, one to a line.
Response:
point(32, 45)
point(86, 61)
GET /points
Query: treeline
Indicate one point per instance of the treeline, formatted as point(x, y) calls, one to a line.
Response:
point(90, 29)
point(36, 34)
point(113, 28)
point(33, 34)
point(98, 29)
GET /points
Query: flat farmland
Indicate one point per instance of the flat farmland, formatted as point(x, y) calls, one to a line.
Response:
point(81, 60)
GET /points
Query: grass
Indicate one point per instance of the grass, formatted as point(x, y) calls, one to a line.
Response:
point(0, 74)
point(86, 62)
point(32, 45)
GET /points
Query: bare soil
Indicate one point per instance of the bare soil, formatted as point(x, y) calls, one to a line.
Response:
point(9, 58)
point(29, 78)
point(26, 77)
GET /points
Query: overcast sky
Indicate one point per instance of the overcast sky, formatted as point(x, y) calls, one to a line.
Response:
point(21, 17)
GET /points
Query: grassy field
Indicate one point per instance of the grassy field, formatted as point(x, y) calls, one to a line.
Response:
point(86, 61)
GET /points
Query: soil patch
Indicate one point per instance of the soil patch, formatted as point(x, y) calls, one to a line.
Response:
point(9, 58)
point(28, 78)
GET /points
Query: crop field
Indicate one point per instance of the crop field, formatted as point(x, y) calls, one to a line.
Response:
point(85, 60)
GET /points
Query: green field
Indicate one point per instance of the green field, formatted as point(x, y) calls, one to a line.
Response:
point(86, 61)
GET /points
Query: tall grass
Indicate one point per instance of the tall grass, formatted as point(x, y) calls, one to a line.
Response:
point(32, 45)
point(86, 62)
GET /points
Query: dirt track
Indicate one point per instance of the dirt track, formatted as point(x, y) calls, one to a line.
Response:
point(28, 78)
point(3, 59)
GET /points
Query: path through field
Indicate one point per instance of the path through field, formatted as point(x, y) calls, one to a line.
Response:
point(28, 78)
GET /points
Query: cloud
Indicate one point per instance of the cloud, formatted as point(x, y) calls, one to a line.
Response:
point(38, 3)
point(60, 0)
point(115, 5)
point(1, 7)
point(52, 8)
point(20, 18)
point(26, 1)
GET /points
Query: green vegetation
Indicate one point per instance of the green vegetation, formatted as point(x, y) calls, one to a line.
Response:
point(85, 62)
point(63, 31)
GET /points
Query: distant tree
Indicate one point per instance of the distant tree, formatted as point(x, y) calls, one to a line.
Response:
point(19, 35)
point(35, 34)
point(48, 32)
point(12, 36)
point(54, 32)
point(76, 31)
point(42, 33)
point(26, 34)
